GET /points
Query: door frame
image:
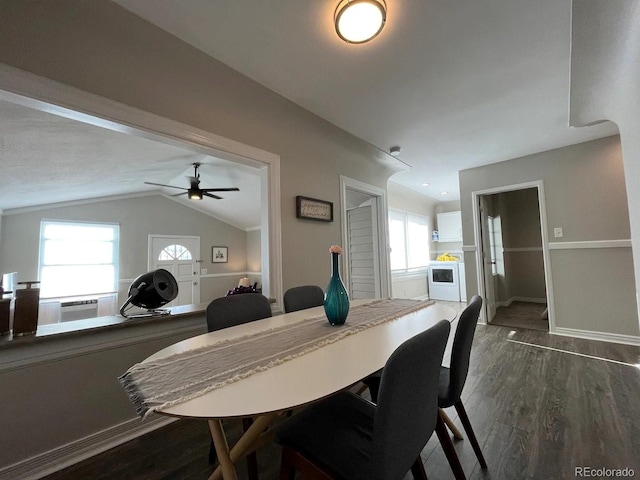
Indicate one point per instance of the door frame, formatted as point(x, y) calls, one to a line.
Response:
point(382, 231)
point(475, 205)
point(30, 90)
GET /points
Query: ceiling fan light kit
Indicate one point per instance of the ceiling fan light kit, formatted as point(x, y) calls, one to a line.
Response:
point(194, 192)
point(358, 21)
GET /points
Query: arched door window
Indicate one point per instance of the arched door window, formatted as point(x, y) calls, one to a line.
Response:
point(175, 252)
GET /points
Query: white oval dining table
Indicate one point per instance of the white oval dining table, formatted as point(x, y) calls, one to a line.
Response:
point(293, 383)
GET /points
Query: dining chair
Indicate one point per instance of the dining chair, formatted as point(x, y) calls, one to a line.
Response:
point(227, 312)
point(451, 383)
point(348, 437)
point(299, 298)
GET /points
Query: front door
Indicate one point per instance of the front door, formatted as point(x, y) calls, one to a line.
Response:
point(179, 255)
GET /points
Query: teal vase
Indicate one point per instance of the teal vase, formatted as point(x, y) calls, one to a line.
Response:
point(336, 298)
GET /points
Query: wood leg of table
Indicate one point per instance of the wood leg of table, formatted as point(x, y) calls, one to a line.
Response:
point(449, 423)
point(254, 437)
point(226, 467)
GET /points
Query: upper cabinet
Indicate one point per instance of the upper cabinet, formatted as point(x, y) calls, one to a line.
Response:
point(450, 226)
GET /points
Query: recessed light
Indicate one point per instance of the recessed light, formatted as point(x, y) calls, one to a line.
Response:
point(443, 193)
point(426, 184)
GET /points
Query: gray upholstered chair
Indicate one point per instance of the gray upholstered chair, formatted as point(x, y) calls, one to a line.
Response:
point(348, 437)
point(227, 312)
point(236, 309)
point(452, 379)
point(451, 383)
point(299, 298)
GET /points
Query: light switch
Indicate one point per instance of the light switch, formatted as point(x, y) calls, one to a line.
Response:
point(203, 271)
point(557, 232)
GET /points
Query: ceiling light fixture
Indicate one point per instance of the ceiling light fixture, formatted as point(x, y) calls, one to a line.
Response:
point(395, 151)
point(426, 184)
point(443, 193)
point(194, 194)
point(358, 21)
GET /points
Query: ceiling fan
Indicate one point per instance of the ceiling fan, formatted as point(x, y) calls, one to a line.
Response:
point(194, 192)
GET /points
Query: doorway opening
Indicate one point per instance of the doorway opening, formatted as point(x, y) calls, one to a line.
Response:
point(512, 260)
point(364, 232)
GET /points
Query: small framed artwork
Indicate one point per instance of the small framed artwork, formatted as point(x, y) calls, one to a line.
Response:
point(314, 209)
point(219, 254)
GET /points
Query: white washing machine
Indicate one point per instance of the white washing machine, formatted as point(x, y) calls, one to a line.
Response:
point(444, 281)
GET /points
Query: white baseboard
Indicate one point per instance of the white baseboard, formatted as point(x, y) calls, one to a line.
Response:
point(66, 455)
point(521, 299)
point(600, 336)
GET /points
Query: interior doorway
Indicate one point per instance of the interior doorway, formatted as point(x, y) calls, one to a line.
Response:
point(512, 260)
point(364, 227)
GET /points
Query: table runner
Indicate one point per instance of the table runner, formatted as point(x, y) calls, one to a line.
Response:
point(180, 377)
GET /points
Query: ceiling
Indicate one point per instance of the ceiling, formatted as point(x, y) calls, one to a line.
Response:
point(455, 84)
point(85, 162)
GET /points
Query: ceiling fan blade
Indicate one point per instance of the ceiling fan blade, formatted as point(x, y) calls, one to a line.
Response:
point(163, 185)
point(211, 195)
point(234, 189)
point(179, 194)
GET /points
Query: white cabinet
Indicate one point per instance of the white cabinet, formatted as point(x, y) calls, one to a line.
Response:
point(450, 227)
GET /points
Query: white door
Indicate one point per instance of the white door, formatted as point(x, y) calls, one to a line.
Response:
point(364, 264)
point(489, 287)
point(179, 255)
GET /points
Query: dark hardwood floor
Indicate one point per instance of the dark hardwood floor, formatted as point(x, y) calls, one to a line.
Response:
point(540, 405)
point(523, 315)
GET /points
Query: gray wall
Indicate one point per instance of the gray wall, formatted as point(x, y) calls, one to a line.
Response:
point(584, 185)
point(138, 218)
point(101, 48)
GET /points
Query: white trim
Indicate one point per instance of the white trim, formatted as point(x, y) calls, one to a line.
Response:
point(229, 274)
point(27, 89)
point(600, 336)
point(64, 456)
point(521, 299)
point(539, 184)
point(253, 229)
point(623, 243)
point(522, 249)
point(380, 196)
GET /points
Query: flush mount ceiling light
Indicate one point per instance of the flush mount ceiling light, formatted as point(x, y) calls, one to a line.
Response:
point(358, 21)
point(395, 151)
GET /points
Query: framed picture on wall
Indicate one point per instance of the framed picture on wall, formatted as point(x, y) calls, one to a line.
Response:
point(219, 254)
point(314, 209)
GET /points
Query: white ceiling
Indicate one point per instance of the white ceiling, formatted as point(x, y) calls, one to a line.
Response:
point(49, 159)
point(455, 84)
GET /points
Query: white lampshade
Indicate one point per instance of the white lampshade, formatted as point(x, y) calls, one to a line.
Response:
point(244, 282)
point(358, 21)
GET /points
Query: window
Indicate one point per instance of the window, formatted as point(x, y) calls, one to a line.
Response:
point(175, 252)
point(409, 238)
point(78, 259)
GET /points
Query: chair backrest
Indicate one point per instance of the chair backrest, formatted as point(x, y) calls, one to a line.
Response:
point(407, 403)
point(299, 298)
point(236, 309)
point(461, 350)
